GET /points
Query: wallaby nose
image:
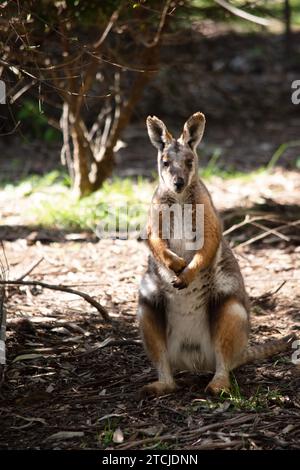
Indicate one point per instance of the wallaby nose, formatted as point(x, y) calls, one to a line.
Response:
point(178, 183)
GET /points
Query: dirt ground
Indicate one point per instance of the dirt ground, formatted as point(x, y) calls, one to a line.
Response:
point(72, 381)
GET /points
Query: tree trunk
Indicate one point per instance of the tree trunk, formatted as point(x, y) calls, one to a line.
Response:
point(287, 19)
point(82, 156)
point(91, 169)
point(102, 169)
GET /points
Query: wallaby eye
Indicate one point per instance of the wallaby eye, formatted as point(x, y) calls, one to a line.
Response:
point(166, 163)
point(189, 163)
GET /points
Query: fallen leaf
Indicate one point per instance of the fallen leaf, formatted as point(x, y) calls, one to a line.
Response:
point(223, 407)
point(58, 436)
point(61, 330)
point(118, 436)
point(288, 429)
point(152, 430)
point(105, 342)
point(27, 357)
point(112, 415)
point(50, 388)
point(29, 422)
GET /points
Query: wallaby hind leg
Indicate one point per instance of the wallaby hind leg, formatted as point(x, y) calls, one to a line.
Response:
point(154, 337)
point(230, 336)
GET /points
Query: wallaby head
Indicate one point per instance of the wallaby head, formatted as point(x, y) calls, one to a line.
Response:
point(177, 158)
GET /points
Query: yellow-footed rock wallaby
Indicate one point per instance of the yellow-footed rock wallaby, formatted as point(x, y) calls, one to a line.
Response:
point(193, 307)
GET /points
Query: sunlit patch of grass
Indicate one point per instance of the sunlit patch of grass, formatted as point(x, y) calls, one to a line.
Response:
point(106, 436)
point(213, 169)
point(259, 401)
point(36, 183)
point(51, 203)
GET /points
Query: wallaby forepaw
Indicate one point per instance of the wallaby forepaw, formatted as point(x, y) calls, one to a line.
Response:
point(179, 283)
point(218, 385)
point(184, 278)
point(156, 389)
point(177, 264)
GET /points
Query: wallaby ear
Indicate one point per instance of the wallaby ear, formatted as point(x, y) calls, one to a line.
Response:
point(193, 130)
point(158, 133)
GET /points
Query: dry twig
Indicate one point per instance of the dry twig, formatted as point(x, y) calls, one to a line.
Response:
point(188, 434)
point(61, 288)
point(243, 14)
point(266, 233)
point(30, 269)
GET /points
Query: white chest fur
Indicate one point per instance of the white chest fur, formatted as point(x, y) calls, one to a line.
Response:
point(188, 333)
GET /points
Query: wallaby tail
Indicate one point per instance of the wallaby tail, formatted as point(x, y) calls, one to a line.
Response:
point(262, 351)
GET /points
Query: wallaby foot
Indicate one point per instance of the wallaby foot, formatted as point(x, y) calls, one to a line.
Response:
point(157, 389)
point(218, 384)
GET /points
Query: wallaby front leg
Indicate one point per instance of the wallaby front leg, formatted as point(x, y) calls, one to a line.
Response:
point(203, 257)
point(154, 337)
point(162, 252)
point(189, 273)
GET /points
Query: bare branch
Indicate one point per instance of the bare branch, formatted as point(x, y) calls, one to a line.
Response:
point(66, 157)
point(161, 25)
point(271, 231)
point(61, 288)
point(21, 92)
point(30, 269)
point(114, 17)
point(243, 14)
point(266, 233)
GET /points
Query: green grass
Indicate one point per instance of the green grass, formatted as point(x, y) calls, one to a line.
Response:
point(51, 202)
point(106, 436)
point(213, 169)
point(56, 206)
point(259, 401)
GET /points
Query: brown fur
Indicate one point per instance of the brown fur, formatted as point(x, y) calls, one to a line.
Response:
point(263, 351)
point(227, 328)
point(230, 336)
point(161, 251)
point(212, 236)
point(153, 335)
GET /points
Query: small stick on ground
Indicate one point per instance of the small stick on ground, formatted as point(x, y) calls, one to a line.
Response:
point(188, 434)
point(3, 270)
point(270, 293)
point(247, 221)
point(119, 342)
point(267, 232)
point(30, 269)
point(61, 288)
